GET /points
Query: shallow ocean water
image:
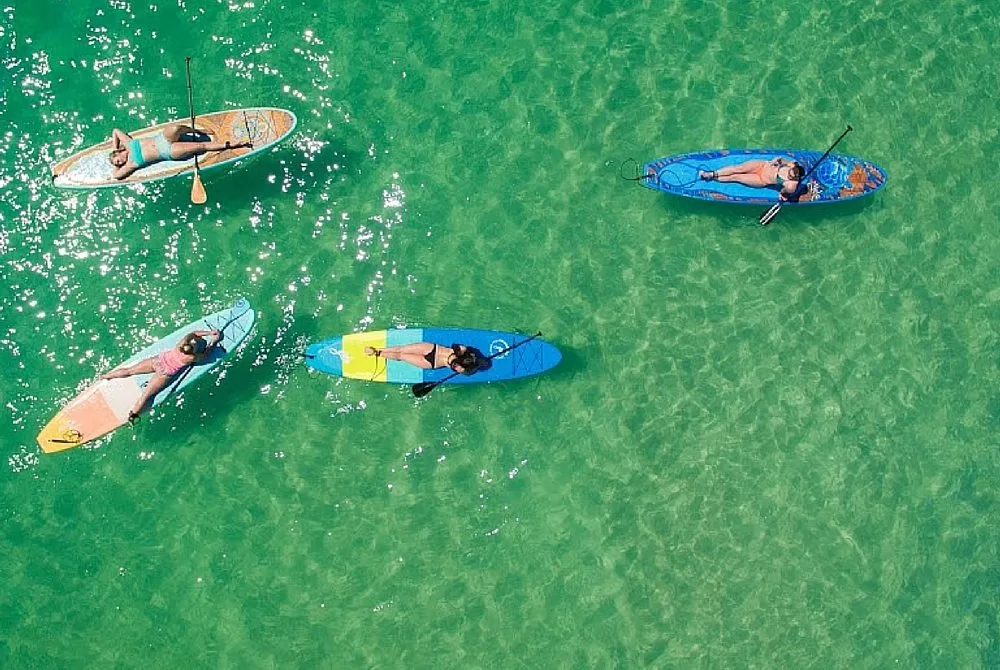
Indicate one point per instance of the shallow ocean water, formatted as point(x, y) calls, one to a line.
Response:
point(765, 447)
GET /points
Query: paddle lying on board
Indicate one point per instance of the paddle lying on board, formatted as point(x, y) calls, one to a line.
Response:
point(423, 388)
point(222, 330)
point(246, 124)
point(769, 215)
point(198, 195)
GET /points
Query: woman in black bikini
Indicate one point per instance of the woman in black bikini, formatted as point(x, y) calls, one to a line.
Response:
point(784, 175)
point(428, 356)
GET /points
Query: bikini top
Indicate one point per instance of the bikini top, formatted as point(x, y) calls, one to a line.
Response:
point(162, 148)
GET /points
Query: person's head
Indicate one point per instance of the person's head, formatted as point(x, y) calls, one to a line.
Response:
point(465, 360)
point(194, 345)
point(118, 157)
point(795, 171)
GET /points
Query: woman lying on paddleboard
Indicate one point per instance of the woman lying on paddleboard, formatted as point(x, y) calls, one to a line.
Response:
point(166, 365)
point(129, 154)
point(427, 355)
point(780, 173)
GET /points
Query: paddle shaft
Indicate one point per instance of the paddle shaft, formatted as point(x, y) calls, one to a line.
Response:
point(187, 65)
point(198, 195)
point(422, 389)
point(173, 387)
point(247, 124)
point(823, 157)
point(767, 216)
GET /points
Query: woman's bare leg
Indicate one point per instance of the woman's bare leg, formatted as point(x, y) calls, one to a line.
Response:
point(416, 360)
point(750, 167)
point(417, 348)
point(408, 353)
point(142, 367)
point(155, 385)
point(747, 179)
point(182, 151)
point(175, 131)
point(743, 169)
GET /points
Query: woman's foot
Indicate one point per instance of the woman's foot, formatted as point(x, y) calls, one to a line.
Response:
point(708, 175)
point(372, 351)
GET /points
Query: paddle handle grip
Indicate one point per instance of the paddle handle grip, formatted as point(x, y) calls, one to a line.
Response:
point(823, 157)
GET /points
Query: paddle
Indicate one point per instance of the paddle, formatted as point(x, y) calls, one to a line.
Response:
point(423, 388)
point(71, 435)
point(247, 124)
point(180, 378)
point(769, 215)
point(198, 195)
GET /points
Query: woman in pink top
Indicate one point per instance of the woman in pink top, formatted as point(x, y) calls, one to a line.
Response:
point(166, 365)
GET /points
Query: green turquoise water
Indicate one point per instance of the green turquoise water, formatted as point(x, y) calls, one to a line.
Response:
point(765, 448)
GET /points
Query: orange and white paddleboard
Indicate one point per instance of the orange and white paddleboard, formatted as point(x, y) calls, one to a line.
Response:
point(104, 405)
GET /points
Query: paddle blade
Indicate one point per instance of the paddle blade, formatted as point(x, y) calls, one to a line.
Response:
point(769, 215)
point(423, 388)
point(198, 195)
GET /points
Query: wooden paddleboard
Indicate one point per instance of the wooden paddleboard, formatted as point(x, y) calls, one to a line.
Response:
point(104, 405)
point(91, 168)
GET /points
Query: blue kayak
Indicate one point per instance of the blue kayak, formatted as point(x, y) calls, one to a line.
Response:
point(839, 177)
point(345, 357)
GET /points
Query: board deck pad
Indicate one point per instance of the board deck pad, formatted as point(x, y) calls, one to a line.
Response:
point(345, 356)
point(839, 177)
point(90, 168)
point(104, 405)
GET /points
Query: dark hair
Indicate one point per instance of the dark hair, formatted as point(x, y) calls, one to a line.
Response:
point(469, 359)
point(190, 346)
point(796, 171)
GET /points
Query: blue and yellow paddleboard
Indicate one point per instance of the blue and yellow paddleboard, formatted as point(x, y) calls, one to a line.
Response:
point(345, 356)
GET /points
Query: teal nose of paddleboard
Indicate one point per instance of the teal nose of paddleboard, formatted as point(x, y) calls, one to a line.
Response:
point(326, 356)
